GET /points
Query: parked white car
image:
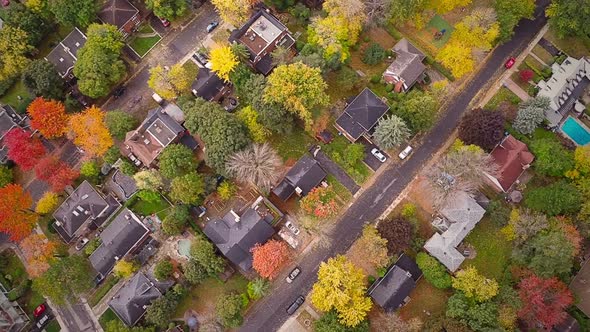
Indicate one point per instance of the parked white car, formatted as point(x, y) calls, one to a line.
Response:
point(379, 155)
point(292, 227)
point(406, 152)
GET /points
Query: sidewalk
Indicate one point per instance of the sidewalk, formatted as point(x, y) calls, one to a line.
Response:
point(512, 86)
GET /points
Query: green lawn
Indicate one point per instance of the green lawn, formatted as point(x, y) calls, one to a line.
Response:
point(543, 54)
point(339, 188)
point(336, 151)
point(437, 23)
point(202, 298)
point(53, 326)
point(145, 208)
point(142, 45)
point(502, 95)
point(104, 288)
point(11, 97)
point(292, 146)
point(108, 316)
point(425, 298)
point(491, 247)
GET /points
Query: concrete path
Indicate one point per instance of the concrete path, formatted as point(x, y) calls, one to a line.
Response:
point(512, 86)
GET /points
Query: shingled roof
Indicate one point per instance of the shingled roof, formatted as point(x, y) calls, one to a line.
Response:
point(117, 13)
point(513, 158)
point(361, 115)
point(305, 175)
point(407, 66)
point(391, 291)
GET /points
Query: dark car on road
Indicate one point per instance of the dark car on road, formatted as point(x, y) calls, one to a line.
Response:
point(295, 305)
point(119, 92)
point(212, 26)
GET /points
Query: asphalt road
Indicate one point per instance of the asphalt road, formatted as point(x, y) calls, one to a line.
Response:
point(269, 314)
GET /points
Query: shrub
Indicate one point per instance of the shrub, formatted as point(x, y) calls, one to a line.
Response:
point(555, 199)
point(163, 269)
point(375, 79)
point(91, 246)
point(389, 87)
point(374, 54)
point(226, 190)
point(434, 272)
point(526, 75)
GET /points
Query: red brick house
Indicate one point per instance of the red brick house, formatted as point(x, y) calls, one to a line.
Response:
point(121, 14)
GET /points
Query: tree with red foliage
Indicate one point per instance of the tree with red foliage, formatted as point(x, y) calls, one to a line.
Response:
point(16, 217)
point(23, 149)
point(544, 301)
point(526, 75)
point(55, 172)
point(48, 116)
point(268, 258)
point(320, 202)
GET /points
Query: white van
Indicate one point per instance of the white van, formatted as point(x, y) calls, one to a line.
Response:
point(157, 98)
point(402, 155)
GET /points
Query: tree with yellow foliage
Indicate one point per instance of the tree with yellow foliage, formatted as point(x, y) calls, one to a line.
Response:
point(457, 57)
point(89, 132)
point(339, 30)
point(234, 12)
point(223, 61)
point(341, 286)
point(124, 269)
point(47, 203)
point(249, 116)
point(298, 88)
point(475, 285)
point(480, 29)
point(445, 6)
point(169, 83)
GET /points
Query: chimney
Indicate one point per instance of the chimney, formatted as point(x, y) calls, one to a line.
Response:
point(236, 217)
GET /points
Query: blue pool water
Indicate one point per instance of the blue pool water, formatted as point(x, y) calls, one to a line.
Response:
point(577, 132)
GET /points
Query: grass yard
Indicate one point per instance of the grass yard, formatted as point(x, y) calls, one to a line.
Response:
point(502, 95)
point(339, 189)
point(202, 298)
point(376, 35)
point(11, 97)
point(106, 317)
point(104, 288)
point(533, 63)
point(144, 40)
point(145, 208)
point(576, 47)
point(336, 91)
point(53, 326)
point(543, 54)
point(425, 298)
point(292, 146)
point(438, 23)
point(491, 247)
point(336, 150)
point(13, 267)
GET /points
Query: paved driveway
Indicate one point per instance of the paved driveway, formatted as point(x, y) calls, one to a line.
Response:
point(269, 313)
point(334, 169)
point(369, 159)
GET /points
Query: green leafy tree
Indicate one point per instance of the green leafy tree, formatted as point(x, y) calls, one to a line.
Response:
point(21, 17)
point(391, 132)
point(160, 312)
point(13, 52)
point(99, 63)
point(194, 272)
point(67, 278)
point(257, 288)
point(188, 188)
point(374, 54)
point(229, 310)
point(119, 123)
point(418, 110)
point(148, 180)
point(329, 322)
point(116, 325)
point(112, 155)
point(163, 269)
point(168, 9)
point(41, 79)
point(551, 158)
point(176, 221)
point(250, 118)
point(531, 114)
point(434, 272)
point(510, 13)
point(226, 190)
point(125, 269)
point(74, 13)
point(222, 133)
point(176, 160)
point(405, 10)
point(127, 168)
point(6, 175)
point(555, 199)
point(348, 79)
point(90, 170)
point(569, 18)
point(478, 316)
point(354, 153)
point(547, 254)
point(203, 252)
point(170, 83)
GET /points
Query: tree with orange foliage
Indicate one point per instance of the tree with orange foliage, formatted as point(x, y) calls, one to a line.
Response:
point(320, 202)
point(16, 217)
point(55, 172)
point(38, 252)
point(268, 258)
point(48, 116)
point(89, 131)
point(571, 233)
point(24, 150)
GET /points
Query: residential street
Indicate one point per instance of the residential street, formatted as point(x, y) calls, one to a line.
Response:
point(269, 313)
point(173, 48)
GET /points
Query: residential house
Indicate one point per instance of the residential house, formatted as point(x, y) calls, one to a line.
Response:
point(458, 218)
point(122, 237)
point(131, 301)
point(407, 68)
point(513, 158)
point(569, 324)
point(305, 175)
point(393, 290)
point(122, 14)
point(235, 234)
point(361, 115)
point(580, 286)
point(209, 86)
point(85, 207)
point(9, 120)
point(65, 54)
point(261, 35)
point(12, 316)
point(154, 134)
point(564, 88)
point(120, 185)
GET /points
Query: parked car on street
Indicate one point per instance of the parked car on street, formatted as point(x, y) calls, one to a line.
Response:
point(293, 307)
point(292, 227)
point(379, 155)
point(402, 155)
point(82, 243)
point(212, 26)
point(119, 92)
point(39, 310)
point(293, 274)
point(164, 21)
point(510, 62)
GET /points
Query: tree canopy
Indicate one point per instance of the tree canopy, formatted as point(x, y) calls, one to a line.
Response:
point(229, 310)
point(551, 158)
point(510, 13)
point(434, 272)
point(569, 18)
point(176, 221)
point(391, 132)
point(48, 117)
point(23, 149)
point(267, 259)
point(13, 52)
point(482, 127)
point(66, 279)
point(119, 123)
point(203, 252)
point(555, 199)
point(170, 83)
point(168, 9)
point(74, 12)
point(176, 160)
point(16, 218)
point(531, 114)
point(89, 131)
point(188, 188)
point(544, 301)
point(234, 12)
point(398, 232)
point(223, 61)
point(475, 285)
point(41, 79)
point(259, 165)
point(418, 110)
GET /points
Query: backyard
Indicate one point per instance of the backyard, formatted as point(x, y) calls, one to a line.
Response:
point(160, 207)
point(144, 40)
point(293, 145)
point(426, 300)
point(14, 275)
point(492, 250)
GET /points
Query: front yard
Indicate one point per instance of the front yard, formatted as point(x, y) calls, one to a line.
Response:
point(336, 150)
point(144, 40)
point(503, 95)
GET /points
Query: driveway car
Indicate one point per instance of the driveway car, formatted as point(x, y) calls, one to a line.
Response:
point(510, 62)
point(402, 155)
point(293, 274)
point(292, 227)
point(39, 310)
point(379, 155)
point(295, 305)
point(82, 244)
point(212, 26)
point(164, 21)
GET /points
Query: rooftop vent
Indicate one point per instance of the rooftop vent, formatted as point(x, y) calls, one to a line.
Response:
point(146, 141)
point(76, 213)
point(84, 196)
point(128, 217)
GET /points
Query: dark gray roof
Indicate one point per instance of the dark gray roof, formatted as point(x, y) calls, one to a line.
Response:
point(119, 238)
point(362, 114)
point(84, 205)
point(207, 85)
point(235, 238)
point(407, 64)
point(64, 55)
point(306, 174)
point(120, 184)
point(131, 301)
point(117, 12)
point(391, 291)
point(148, 250)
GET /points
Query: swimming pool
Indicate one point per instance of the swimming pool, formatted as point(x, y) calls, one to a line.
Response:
point(184, 247)
point(577, 131)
